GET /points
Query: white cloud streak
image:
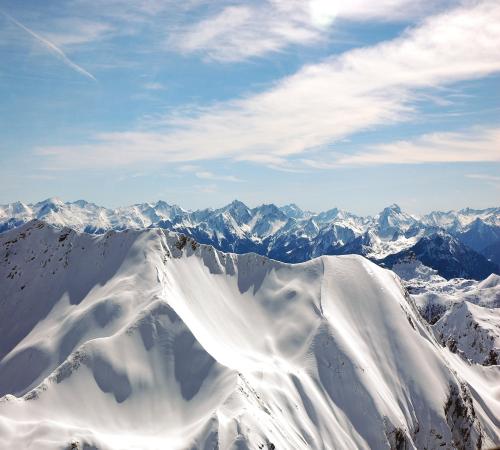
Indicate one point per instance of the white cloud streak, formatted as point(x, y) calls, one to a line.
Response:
point(70, 32)
point(52, 48)
point(244, 30)
point(491, 180)
point(206, 175)
point(318, 106)
point(154, 86)
point(203, 174)
point(482, 176)
point(481, 145)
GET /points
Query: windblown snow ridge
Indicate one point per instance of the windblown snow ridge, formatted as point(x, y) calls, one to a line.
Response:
point(148, 340)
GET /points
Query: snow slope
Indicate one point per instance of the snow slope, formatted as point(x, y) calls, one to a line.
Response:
point(148, 340)
point(472, 330)
point(464, 314)
point(434, 295)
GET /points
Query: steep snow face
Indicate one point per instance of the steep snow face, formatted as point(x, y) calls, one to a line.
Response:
point(240, 213)
point(269, 220)
point(148, 340)
point(393, 221)
point(472, 331)
point(464, 313)
point(493, 281)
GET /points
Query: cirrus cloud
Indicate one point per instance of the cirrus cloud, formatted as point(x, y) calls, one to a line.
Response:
point(252, 29)
point(473, 145)
point(319, 105)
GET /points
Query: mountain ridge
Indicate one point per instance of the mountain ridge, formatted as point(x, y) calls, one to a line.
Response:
point(287, 233)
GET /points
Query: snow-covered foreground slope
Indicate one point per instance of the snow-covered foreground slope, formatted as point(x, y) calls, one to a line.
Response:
point(147, 340)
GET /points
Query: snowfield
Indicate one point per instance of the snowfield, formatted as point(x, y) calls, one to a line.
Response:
point(149, 340)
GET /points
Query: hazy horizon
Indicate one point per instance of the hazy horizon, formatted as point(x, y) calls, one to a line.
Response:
point(252, 205)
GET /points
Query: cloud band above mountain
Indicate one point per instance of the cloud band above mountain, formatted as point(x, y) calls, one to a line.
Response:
point(319, 105)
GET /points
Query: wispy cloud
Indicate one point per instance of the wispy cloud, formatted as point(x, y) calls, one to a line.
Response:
point(71, 32)
point(53, 48)
point(242, 31)
point(136, 11)
point(247, 29)
point(188, 168)
point(203, 174)
point(478, 145)
point(492, 180)
point(318, 106)
point(206, 175)
point(483, 176)
point(206, 188)
point(154, 86)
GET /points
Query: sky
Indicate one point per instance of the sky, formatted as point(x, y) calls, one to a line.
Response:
point(322, 103)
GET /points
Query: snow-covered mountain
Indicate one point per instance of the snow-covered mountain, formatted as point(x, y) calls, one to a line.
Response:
point(446, 254)
point(473, 331)
point(434, 295)
point(464, 314)
point(470, 238)
point(145, 339)
point(461, 220)
point(392, 221)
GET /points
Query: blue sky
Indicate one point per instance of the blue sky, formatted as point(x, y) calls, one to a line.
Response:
point(316, 102)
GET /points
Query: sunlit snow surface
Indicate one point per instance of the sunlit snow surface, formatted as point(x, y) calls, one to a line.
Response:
point(146, 340)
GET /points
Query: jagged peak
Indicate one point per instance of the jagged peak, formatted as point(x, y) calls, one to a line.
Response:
point(50, 201)
point(162, 203)
point(237, 204)
point(394, 208)
point(293, 206)
point(268, 208)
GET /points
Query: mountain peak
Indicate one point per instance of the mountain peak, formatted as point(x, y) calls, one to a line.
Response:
point(162, 203)
point(392, 220)
point(268, 208)
point(293, 211)
point(19, 208)
point(83, 203)
point(392, 208)
point(238, 210)
point(56, 201)
point(237, 204)
point(48, 206)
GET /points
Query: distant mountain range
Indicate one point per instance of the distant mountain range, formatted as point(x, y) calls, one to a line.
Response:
point(464, 243)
